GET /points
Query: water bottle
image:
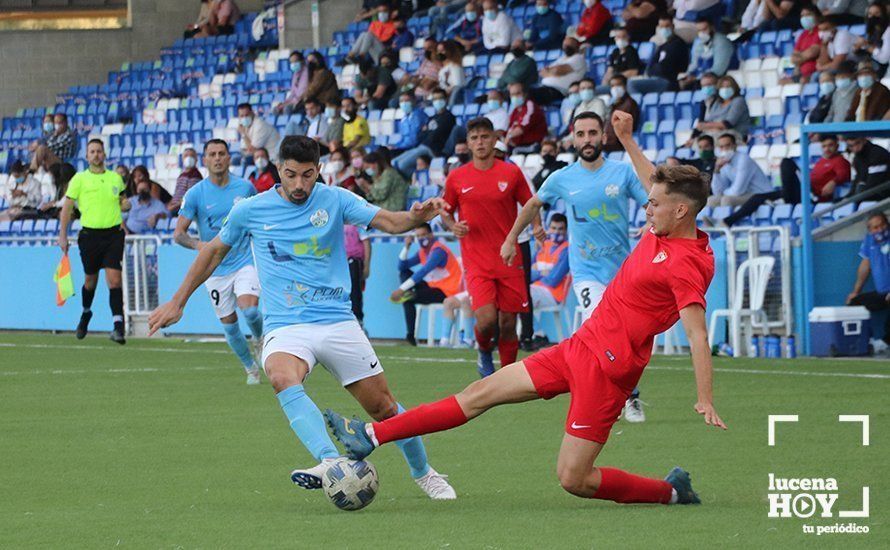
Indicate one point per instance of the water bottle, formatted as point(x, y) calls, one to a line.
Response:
point(754, 350)
point(790, 348)
point(773, 347)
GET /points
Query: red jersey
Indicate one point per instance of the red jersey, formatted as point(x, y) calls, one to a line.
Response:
point(658, 279)
point(805, 41)
point(486, 201)
point(835, 169)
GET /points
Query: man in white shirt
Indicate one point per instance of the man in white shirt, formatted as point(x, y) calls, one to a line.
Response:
point(316, 123)
point(836, 46)
point(558, 76)
point(498, 29)
point(497, 111)
point(736, 176)
point(256, 133)
point(22, 193)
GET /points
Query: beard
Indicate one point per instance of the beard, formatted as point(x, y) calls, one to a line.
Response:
point(591, 152)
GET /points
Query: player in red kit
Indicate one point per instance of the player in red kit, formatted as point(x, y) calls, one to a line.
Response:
point(664, 279)
point(484, 193)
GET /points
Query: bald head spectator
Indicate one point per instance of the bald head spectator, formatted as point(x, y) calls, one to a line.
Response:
point(189, 176)
point(528, 125)
point(546, 29)
point(873, 100)
point(256, 133)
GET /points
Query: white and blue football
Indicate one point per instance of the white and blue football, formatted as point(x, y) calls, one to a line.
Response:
point(351, 484)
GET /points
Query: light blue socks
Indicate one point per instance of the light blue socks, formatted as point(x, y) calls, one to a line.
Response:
point(415, 453)
point(449, 327)
point(238, 343)
point(254, 320)
point(467, 324)
point(306, 421)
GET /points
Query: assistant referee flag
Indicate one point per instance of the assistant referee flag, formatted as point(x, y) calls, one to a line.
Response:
point(64, 283)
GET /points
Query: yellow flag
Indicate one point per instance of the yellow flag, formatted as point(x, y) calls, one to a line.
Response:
point(64, 283)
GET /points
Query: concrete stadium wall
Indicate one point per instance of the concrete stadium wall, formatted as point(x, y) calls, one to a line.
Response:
point(38, 65)
point(334, 15)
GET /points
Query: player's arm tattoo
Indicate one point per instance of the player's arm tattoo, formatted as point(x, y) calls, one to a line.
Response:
point(183, 239)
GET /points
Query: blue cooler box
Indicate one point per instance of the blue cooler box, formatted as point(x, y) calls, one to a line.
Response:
point(839, 331)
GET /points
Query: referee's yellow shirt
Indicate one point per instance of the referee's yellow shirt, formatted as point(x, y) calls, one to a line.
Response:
point(98, 198)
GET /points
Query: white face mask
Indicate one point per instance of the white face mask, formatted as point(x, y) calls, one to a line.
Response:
point(622, 44)
point(189, 162)
point(724, 153)
point(334, 167)
point(245, 121)
point(261, 164)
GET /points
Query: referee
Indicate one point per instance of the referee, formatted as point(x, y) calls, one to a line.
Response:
point(100, 198)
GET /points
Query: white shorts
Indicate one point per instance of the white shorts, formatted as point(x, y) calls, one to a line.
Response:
point(589, 294)
point(541, 297)
point(224, 289)
point(342, 348)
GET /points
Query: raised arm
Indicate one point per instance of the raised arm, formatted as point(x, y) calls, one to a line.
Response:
point(693, 317)
point(400, 222)
point(623, 124)
point(526, 216)
point(210, 256)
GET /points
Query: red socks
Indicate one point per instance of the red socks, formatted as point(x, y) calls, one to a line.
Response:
point(623, 487)
point(483, 339)
point(508, 349)
point(427, 418)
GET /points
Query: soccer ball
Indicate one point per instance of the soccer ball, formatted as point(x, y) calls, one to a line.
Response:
point(351, 484)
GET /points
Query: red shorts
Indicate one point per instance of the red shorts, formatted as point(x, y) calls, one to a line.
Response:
point(573, 367)
point(508, 294)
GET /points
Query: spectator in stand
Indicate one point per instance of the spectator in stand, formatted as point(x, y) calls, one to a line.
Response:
point(387, 188)
point(589, 101)
point(440, 16)
point(497, 112)
point(316, 122)
point(145, 210)
point(374, 85)
point(438, 277)
point(547, 29)
point(358, 255)
point(826, 91)
point(549, 150)
point(550, 276)
point(299, 82)
point(201, 22)
point(139, 175)
point(556, 78)
point(873, 100)
point(875, 254)
point(59, 146)
point(356, 132)
point(389, 60)
point(712, 52)
point(432, 139)
point(357, 165)
point(47, 128)
point(498, 29)
point(621, 101)
point(568, 104)
point(467, 31)
point(641, 18)
point(403, 37)
point(623, 59)
point(876, 42)
point(872, 166)
point(411, 124)
point(667, 62)
point(337, 170)
point(333, 138)
point(528, 125)
point(844, 12)
point(706, 159)
point(256, 133)
point(223, 16)
point(835, 47)
point(727, 112)
point(376, 39)
point(189, 176)
point(322, 81)
point(122, 171)
point(783, 14)
point(265, 174)
point(846, 89)
point(451, 75)
point(756, 14)
point(522, 68)
point(831, 170)
point(807, 47)
point(737, 177)
point(369, 9)
point(461, 156)
point(22, 194)
point(688, 12)
point(421, 175)
point(426, 78)
point(595, 24)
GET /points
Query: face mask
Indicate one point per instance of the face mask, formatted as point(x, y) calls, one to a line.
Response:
point(826, 88)
point(709, 91)
point(371, 171)
point(557, 238)
point(665, 32)
point(261, 164)
point(295, 66)
point(548, 158)
point(189, 162)
point(726, 93)
point(406, 107)
point(357, 163)
point(48, 127)
point(440, 56)
point(439, 104)
point(517, 52)
point(245, 121)
point(330, 112)
point(865, 81)
point(706, 154)
point(463, 158)
point(881, 236)
point(383, 17)
point(570, 50)
point(515, 101)
point(724, 153)
point(494, 104)
point(622, 44)
point(491, 15)
point(335, 166)
point(425, 242)
point(704, 36)
point(145, 194)
point(313, 64)
point(428, 54)
point(842, 83)
point(57, 127)
point(574, 99)
point(20, 179)
point(472, 16)
point(807, 22)
point(586, 94)
point(589, 3)
point(542, 9)
point(617, 92)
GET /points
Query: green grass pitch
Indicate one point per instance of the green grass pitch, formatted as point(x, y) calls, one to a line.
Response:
point(159, 444)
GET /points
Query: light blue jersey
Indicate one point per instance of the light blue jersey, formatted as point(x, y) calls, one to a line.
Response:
point(300, 252)
point(209, 204)
point(597, 209)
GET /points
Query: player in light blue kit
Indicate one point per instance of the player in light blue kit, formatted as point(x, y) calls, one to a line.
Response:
point(235, 280)
point(596, 192)
point(296, 231)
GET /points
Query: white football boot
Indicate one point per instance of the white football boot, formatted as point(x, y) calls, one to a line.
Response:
point(633, 411)
point(436, 486)
point(310, 478)
point(253, 377)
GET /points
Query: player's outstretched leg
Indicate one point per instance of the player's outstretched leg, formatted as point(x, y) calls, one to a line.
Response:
point(236, 340)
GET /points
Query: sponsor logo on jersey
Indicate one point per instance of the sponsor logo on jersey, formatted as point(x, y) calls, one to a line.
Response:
point(320, 218)
point(612, 190)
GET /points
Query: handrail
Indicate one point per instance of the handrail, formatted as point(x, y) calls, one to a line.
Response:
point(852, 219)
point(859, 197)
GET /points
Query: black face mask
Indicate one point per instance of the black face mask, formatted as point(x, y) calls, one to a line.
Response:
point(517, 52)
point(549, 159)
point(570, 50)
point(313, 64)
point(463, 157)
point(428, 54)
point(144, 195)
point(440, 56)
point(874, 23)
